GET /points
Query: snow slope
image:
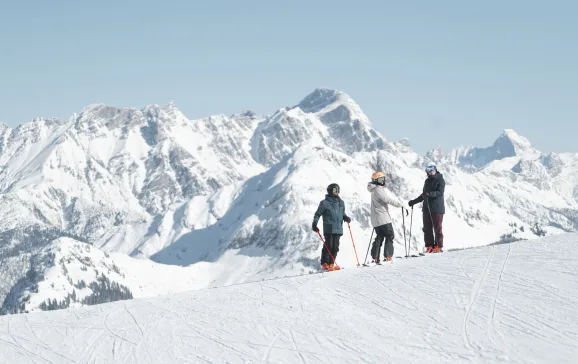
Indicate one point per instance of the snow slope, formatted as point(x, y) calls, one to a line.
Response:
point(514, 303)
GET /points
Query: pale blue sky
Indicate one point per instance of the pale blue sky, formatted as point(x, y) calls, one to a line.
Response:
point(436, 72)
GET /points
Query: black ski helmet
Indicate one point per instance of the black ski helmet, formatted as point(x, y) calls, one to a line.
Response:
point(333, 189)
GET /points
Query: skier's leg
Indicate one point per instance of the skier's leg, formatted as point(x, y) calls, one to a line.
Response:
point(388, 247)
point(376, 247)
point(325, 258)
point(335, 246)
point(438, 220)
point(428, 236)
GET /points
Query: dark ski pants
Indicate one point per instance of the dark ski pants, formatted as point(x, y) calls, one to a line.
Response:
point(428, 229)
point(332, 242)
point(383, 232)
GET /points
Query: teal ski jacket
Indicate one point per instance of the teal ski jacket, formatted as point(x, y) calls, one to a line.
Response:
point(332, 208)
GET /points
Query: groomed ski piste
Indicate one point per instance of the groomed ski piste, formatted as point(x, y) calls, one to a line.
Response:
point(507, 303)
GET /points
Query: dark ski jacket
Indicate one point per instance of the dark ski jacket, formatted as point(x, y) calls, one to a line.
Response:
point(333, 211)
point(436, 186)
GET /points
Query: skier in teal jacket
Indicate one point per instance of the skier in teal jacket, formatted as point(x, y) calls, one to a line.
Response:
point(332, 208)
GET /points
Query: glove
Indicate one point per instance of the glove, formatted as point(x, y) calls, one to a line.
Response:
point(315, 228)
point(406, 206)
point(411, 203)
point(347, 219)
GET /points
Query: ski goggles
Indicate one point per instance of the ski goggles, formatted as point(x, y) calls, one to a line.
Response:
point(428, 169)
point(335, 190)
point(380, 180)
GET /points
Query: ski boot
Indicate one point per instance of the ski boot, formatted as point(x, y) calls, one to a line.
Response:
point(334, 267)
point(437, 249)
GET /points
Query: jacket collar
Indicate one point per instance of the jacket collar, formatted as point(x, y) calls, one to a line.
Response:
point(332, 198)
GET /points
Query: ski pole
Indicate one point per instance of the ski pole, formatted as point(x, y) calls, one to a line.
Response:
point(410, 224)
point(404, 238)
point(329, 251)
point(365, 262)
point(354, 249)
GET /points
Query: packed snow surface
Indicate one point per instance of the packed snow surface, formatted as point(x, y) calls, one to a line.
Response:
point(507, 303)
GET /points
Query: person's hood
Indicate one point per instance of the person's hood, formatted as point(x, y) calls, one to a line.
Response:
point(372, 186)
point(437, 175)
point(329, 197)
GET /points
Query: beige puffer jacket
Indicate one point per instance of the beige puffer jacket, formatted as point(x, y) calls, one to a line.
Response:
point(380, 199)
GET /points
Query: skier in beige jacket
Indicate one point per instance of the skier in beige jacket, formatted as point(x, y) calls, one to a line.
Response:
point(380, 217)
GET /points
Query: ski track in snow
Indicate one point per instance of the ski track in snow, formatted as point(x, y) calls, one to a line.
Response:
point(496, 304)
point(474, 295)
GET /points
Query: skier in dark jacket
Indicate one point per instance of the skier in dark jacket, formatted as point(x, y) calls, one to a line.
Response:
point(332, 208)
point(433, 209)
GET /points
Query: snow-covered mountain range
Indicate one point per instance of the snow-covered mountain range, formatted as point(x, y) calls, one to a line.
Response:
point(227, 199)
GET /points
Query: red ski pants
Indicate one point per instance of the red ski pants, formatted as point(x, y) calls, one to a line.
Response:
point(428, 228)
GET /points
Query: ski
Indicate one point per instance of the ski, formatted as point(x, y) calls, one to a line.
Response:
point(330, 269)
point(371, 264)
point(411, 256)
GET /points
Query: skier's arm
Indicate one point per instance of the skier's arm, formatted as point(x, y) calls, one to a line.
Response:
point(416, 201)
point(440, 190)
point(386, 199)
point(345, 217)
point(318, 213)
